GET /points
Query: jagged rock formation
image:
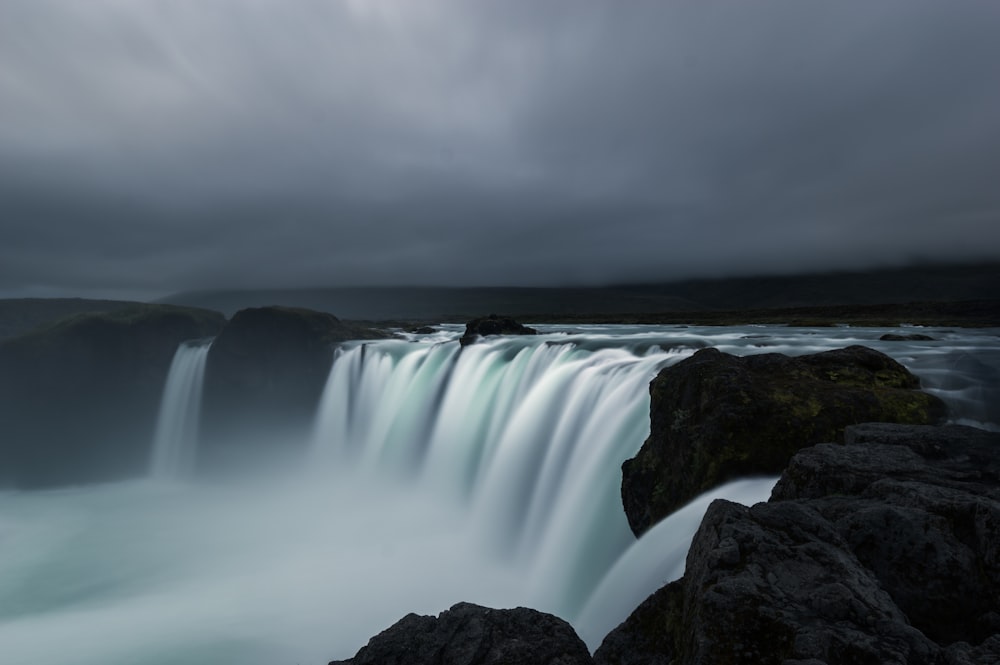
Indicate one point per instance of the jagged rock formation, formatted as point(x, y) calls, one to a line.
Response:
point(265, 374)
point(469, 634)
point(493, 325)
point(883, 550)
point(79, 398)
point(715, 417)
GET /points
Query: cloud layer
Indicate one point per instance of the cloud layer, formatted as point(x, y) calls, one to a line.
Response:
point(148, 146)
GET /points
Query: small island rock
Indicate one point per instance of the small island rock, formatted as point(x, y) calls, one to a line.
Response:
point(911, 337)
point(493, 325)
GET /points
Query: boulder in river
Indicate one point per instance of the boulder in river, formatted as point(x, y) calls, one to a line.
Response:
point(715, 417)
point(493, 325)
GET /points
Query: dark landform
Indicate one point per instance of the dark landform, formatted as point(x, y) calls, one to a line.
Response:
point(715, 417)
point(883, 550)
point(20, 315)
point(856, 297)
point(264, 377)
point(487, 326)
point(961, 295)
point(79, 398)
point(469, 634)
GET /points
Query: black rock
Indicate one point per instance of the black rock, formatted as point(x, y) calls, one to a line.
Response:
point(920, 508)
point(470, 634)
point(883, 550)
point(912, 337)
point(264, 377)
point(715, 417)
point(493, 325)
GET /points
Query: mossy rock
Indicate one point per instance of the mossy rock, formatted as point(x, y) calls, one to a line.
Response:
point(715, 417)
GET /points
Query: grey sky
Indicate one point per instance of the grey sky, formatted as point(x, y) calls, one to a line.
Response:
point(150, 146)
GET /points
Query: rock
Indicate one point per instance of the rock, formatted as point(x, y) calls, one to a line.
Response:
point(877, 551)
point(923, 515)
point(469, 634)
point(715, 417)
point(911, 337)
point(493, 325)
point(79, 398)
point(264, 377)
point(952, 456)
point(422, 330)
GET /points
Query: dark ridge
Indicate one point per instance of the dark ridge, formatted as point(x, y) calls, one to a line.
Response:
point(21, 315)
point(927, 284)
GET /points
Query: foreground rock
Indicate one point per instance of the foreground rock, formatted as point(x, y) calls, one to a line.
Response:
point(493, 325)
point(883, 550)
point(715, 417)
point(472, 635)
point(265, 374)
point(79, 398)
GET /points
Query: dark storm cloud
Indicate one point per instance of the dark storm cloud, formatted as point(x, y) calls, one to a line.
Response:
point(151, 146)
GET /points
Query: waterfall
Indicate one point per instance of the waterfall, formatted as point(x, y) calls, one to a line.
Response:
point(437, 474)
point(528, 434)
point(175, 442)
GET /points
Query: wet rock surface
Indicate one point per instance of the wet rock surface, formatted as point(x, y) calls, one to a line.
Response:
point(883, 550)
point(469, 634)
point(715, 417)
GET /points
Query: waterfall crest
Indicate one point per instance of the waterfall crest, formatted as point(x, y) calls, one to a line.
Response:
point(528, 435)
point(175, 442)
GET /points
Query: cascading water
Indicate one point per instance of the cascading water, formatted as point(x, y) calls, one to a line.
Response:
point(176, 439)
point(530, 435)
point(488, 474)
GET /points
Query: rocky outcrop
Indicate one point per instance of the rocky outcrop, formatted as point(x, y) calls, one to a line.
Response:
point(715, 417)
point(882, 550)
point(469, 634)
point(79, 398)
point(264, 376)
point(493, 325)
point(909, 337)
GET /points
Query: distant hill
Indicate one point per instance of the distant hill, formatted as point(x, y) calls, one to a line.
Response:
point(19, 315)
point(915, 284)
point(438, 303)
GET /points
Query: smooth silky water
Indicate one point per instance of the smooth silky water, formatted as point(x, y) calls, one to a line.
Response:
point(434, 475)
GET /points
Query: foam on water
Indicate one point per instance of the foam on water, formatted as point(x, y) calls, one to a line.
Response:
point(487, 474)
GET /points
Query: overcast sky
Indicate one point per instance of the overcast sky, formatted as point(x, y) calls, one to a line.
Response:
point(152, 146)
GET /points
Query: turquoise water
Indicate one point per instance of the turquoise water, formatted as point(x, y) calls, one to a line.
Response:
point(435, 475)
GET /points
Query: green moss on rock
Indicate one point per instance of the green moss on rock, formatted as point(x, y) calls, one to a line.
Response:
point(715, 417)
